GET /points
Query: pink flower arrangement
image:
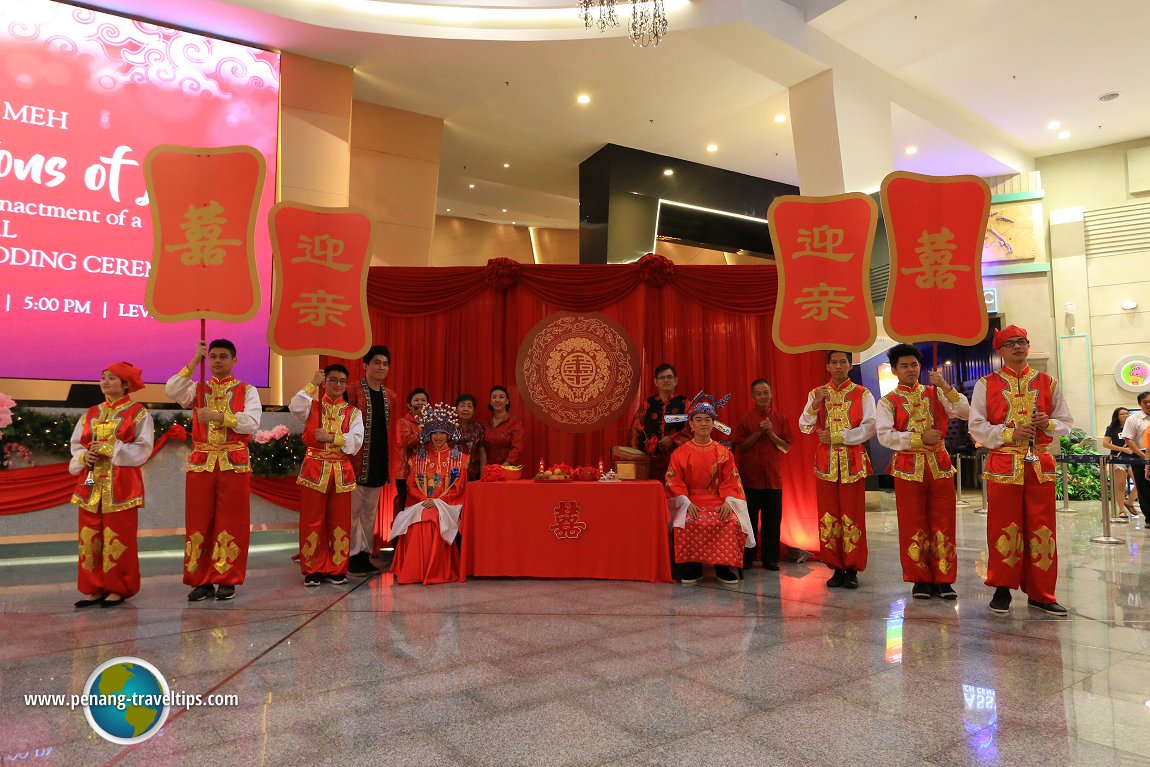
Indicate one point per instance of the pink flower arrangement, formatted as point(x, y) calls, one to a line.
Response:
point(272, 434)
point(15, 452)
point(6, 405)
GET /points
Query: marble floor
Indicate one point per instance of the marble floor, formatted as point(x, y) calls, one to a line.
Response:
point(777, 670)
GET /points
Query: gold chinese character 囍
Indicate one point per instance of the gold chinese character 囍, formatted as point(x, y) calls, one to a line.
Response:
point(935, 249)
point(320, 307)
point(821, 242)
point(823, 301)
point(322, 250)
point(202, 244)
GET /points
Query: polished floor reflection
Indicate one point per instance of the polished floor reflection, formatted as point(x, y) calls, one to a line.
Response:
point(777, 670)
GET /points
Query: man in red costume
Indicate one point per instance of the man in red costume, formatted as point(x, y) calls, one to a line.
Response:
point(109, 445)
point(372, 462)
point(842, 413)
point(333, 431)
point(217, 508)
point(762, 437)
point(651, 431)
point(437, 476)
point(912, 420)
point(1016, 413)
point(707, 504)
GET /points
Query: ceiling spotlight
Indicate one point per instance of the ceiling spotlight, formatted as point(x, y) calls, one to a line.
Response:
point(668, 172)
point(504, 210)
point(506, 165)
point(1128, 305)
point(712, 147)
point(449, 210)
point(912, 149)
point(1109, 96)
point(1053, 125)
point(780, 118)
point(584, 99)
point(513, 223)
point(1064, 134)
point(471, 186)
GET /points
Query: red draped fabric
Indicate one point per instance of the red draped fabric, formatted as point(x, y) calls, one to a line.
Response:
point(35, 488)
point(282, 491)
point(456, 329)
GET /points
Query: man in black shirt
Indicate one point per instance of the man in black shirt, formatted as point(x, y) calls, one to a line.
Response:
point(372, 462)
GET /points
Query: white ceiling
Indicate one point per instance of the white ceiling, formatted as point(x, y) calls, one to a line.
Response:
point(972, 84)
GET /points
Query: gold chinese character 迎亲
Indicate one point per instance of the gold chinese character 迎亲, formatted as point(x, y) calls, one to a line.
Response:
point(821, 242)
point(322, 250)
point(319, 308)
point(822, 302)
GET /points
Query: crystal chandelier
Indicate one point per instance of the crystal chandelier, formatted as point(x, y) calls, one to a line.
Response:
point(648, 19)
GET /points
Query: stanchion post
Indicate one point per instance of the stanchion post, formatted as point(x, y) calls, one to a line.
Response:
point(982, 483)
point(1106, 537)
point(1115, 495)
point(958, 501)
point(1065, 485)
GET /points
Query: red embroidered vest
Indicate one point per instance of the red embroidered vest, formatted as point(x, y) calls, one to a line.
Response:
point(324, 460)
point(918, 410)
point(122, 486)
point(1013, 399)
point(842, 410)
point(213, 444)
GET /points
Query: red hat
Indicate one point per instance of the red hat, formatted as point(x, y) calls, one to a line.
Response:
point(128, 373)
point(1008, 332)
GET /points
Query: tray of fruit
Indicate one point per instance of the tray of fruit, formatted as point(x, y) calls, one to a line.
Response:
point(559, 472)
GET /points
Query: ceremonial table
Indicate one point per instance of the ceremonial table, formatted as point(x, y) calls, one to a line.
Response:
point(613, 530)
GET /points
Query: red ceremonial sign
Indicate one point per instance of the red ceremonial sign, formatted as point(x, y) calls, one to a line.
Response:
point(319, 295)
point(935, 225)
point(204, 203)
point(822, 249)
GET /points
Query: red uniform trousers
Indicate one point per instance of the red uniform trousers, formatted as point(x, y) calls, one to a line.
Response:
point(324, 522)
point(842, 524)
point(421, 554)
point(926, 519)
point(1020, 536)
point(109, 561)
point(217, 510)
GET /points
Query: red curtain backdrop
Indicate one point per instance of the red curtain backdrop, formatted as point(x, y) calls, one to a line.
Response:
point(458, 329)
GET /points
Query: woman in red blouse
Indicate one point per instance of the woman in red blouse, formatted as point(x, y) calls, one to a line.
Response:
point(503, 436)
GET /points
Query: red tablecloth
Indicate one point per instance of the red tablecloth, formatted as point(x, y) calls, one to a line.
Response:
point(614, 530)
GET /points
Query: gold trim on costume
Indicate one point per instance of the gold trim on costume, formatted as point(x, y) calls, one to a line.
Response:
point(224, 552)
point(193, 547)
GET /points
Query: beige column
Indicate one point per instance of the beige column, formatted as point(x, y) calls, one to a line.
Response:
point(395, 178)
point(315, 155)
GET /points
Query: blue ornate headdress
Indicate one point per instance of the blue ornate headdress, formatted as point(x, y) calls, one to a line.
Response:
point(703, 403)
point(438, 417)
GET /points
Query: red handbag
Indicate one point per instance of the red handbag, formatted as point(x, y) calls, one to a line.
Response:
point(710, 540)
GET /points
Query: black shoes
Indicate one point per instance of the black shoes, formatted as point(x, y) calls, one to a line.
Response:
point(727, 575)
point(921, 591)
point(690, 573)
point(850, 579)
point(224, 593)
point(1000, 602)
point(360, 564)
point(338, 579)
point(837, 579)
point(200, 593)
point(90, 601)
point(771, 565)
point(946, 591)
point(119, 600)
point(311, 580)
point(1050, 608)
